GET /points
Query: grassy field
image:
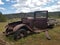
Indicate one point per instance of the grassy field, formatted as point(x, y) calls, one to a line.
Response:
point(35, 39)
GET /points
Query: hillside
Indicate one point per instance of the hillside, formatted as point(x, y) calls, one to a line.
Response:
point(21, 15)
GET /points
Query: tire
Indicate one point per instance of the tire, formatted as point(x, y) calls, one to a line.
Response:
point(20, 34)
point(8, 32)
point(51, 26)
point(16, 34)
point(24, 32)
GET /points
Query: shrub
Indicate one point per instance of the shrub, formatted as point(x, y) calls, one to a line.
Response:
point(2, 18)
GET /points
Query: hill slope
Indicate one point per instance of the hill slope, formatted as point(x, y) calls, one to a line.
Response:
point(21, 15)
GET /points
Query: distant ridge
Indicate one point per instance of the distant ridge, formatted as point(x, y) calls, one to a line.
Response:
point(20, 15)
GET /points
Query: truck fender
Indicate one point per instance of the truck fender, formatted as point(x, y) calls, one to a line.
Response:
point(18, 26)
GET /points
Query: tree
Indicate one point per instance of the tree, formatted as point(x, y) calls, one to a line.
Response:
point(2, 17)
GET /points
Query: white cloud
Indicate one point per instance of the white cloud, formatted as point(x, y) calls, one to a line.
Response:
point(1, 8)
point(1, 2)
point(25, 10)
point(59, 3)
point(28, 5)
point(33, 5)
point(52, 8)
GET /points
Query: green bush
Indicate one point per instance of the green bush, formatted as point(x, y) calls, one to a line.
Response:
point(2, 18)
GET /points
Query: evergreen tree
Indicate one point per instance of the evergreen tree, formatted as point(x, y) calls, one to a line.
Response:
point(2, 17)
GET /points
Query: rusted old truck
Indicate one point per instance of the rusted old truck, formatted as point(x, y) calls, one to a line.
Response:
point(29, 24)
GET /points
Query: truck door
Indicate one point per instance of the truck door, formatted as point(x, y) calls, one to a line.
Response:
point(41, 19)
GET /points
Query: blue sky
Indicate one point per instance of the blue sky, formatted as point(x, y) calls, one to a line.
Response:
point(17, 6)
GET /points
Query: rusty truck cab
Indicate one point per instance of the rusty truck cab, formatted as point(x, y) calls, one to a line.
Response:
point(37, 21)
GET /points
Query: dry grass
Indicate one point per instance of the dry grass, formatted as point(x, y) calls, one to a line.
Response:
point(36, 39)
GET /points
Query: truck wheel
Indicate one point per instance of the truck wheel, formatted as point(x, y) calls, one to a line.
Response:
point(24, 32)
point(20, 34)
point(8, 32)
point(17, 35)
